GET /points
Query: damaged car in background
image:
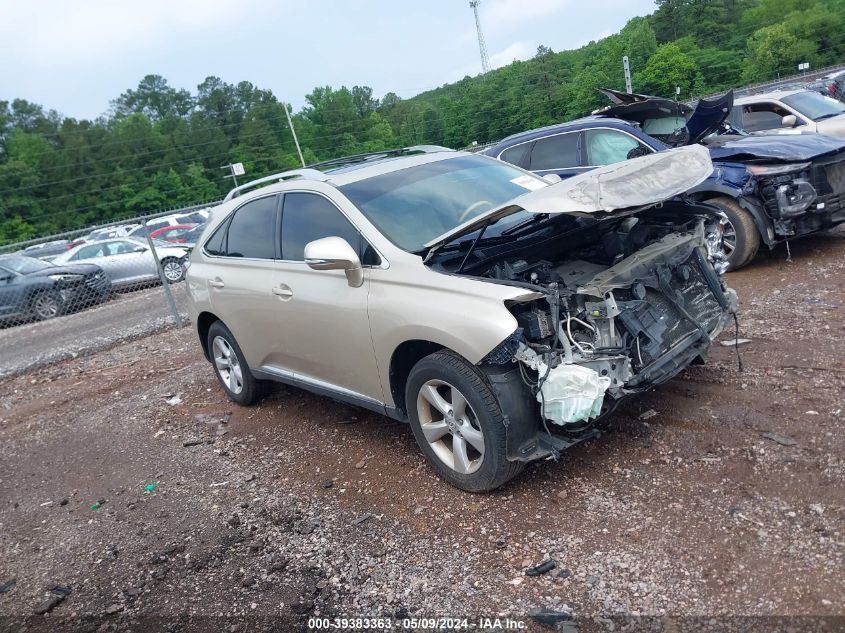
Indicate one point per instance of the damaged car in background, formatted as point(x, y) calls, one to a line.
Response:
point(500, 315)
point(769, 188)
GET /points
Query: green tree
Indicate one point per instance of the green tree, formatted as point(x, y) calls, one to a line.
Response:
point(667, 68)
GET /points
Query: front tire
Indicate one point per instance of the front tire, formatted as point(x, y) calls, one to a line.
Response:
point(740, 237)
point(46, 304)
point(230, 366)
point(458, 423)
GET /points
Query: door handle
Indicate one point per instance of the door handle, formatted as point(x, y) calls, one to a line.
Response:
point(283, 291)
point(216, 283)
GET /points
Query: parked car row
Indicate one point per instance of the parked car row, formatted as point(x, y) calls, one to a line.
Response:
point(158, 226)
point(34, 289)
point(83, 276)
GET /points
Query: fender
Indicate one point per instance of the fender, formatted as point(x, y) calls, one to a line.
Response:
point(733, 181)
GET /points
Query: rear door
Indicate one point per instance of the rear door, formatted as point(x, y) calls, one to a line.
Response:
point(240, 273)
point(557, 154)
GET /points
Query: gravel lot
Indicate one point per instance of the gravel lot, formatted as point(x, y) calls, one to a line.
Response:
point(715, 502)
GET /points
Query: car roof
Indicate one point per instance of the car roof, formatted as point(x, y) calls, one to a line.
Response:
point(344, 174)
point(777, 95)
point(583, 123)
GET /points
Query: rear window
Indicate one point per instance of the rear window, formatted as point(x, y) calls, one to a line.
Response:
point(517, 155)
point(555, 152)
point(250, 233)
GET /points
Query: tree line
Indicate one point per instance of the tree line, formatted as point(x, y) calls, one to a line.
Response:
point(160, 147)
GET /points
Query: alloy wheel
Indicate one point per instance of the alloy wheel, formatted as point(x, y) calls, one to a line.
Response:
point(727, 234)
point(172, 270)
point(227, 364)
point(450, 426)
point(45, 306)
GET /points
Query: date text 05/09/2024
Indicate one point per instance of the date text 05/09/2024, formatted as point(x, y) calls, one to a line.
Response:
point(417, 624)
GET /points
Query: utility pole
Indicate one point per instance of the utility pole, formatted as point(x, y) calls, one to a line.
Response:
point(293, 131)
point(626, 66)
point(482, 47)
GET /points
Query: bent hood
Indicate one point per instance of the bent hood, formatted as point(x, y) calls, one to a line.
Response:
point(778, 147)
point(703, 120)
point(617, 189)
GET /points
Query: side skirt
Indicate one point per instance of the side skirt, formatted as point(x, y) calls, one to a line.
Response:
point(321, 388)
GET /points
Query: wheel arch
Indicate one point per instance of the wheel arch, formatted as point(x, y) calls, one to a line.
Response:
point(761, 220)
point(204, 322)
point(403, 359)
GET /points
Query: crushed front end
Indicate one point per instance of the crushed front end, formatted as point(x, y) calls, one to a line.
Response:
point(602, 333)
point(801, 198)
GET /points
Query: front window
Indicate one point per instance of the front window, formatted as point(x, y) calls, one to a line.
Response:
point(814, 106)
point(605, 147)
point(24, 265)
point(412, 206)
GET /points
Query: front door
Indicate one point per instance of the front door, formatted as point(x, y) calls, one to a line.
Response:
point(323, 324)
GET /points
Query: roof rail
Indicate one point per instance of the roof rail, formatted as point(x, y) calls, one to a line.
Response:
point(307, 174)
point(355, 159)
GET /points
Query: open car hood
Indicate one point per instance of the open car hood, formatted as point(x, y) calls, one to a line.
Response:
point(704, 119)
point(617, 189)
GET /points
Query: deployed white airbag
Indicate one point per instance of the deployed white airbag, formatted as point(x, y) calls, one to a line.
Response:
point(572, 393)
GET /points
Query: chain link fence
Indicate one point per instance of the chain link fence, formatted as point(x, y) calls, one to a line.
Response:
point(68, 296)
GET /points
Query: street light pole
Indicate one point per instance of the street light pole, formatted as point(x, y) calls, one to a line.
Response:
point(293, 131)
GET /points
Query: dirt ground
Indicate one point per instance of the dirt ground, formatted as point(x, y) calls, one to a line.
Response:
point(147, 501)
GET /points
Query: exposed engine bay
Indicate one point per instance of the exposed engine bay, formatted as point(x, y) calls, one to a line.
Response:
point(622, 304)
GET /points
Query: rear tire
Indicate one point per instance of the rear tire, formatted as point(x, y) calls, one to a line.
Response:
point(173, 270)
point(458, 423)
point(741, 239)
point(231, 368)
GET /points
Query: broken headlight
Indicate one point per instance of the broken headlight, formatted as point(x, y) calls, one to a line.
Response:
point(794, 198)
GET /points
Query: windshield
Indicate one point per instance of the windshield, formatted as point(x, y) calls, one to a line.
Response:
point(412, 206)
point(24, 265)
point(814, 106)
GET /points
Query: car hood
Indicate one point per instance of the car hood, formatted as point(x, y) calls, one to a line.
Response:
point(704, 119)
point(66, 269)
point(617, 189)
point(774, 147)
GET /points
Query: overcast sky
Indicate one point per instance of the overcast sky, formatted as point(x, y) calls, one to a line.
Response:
point(76, 56)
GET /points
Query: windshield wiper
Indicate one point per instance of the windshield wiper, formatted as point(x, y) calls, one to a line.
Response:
point(828, 115)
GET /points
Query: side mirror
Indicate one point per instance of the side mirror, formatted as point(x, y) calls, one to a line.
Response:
point(140, 249)
point(790, 120)
point(335, 253)
point(552, 179)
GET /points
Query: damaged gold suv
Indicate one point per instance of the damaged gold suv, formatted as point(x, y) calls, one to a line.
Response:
point(500, 314)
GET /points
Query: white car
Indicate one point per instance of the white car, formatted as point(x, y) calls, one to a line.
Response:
point(790, 112)
point(129, 261)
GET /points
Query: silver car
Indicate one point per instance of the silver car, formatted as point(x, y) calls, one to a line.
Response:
point(129, 261)
point(790, 112)
point(500, 315)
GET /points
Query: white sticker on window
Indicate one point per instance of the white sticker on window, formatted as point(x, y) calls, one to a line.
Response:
point(528, 182)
